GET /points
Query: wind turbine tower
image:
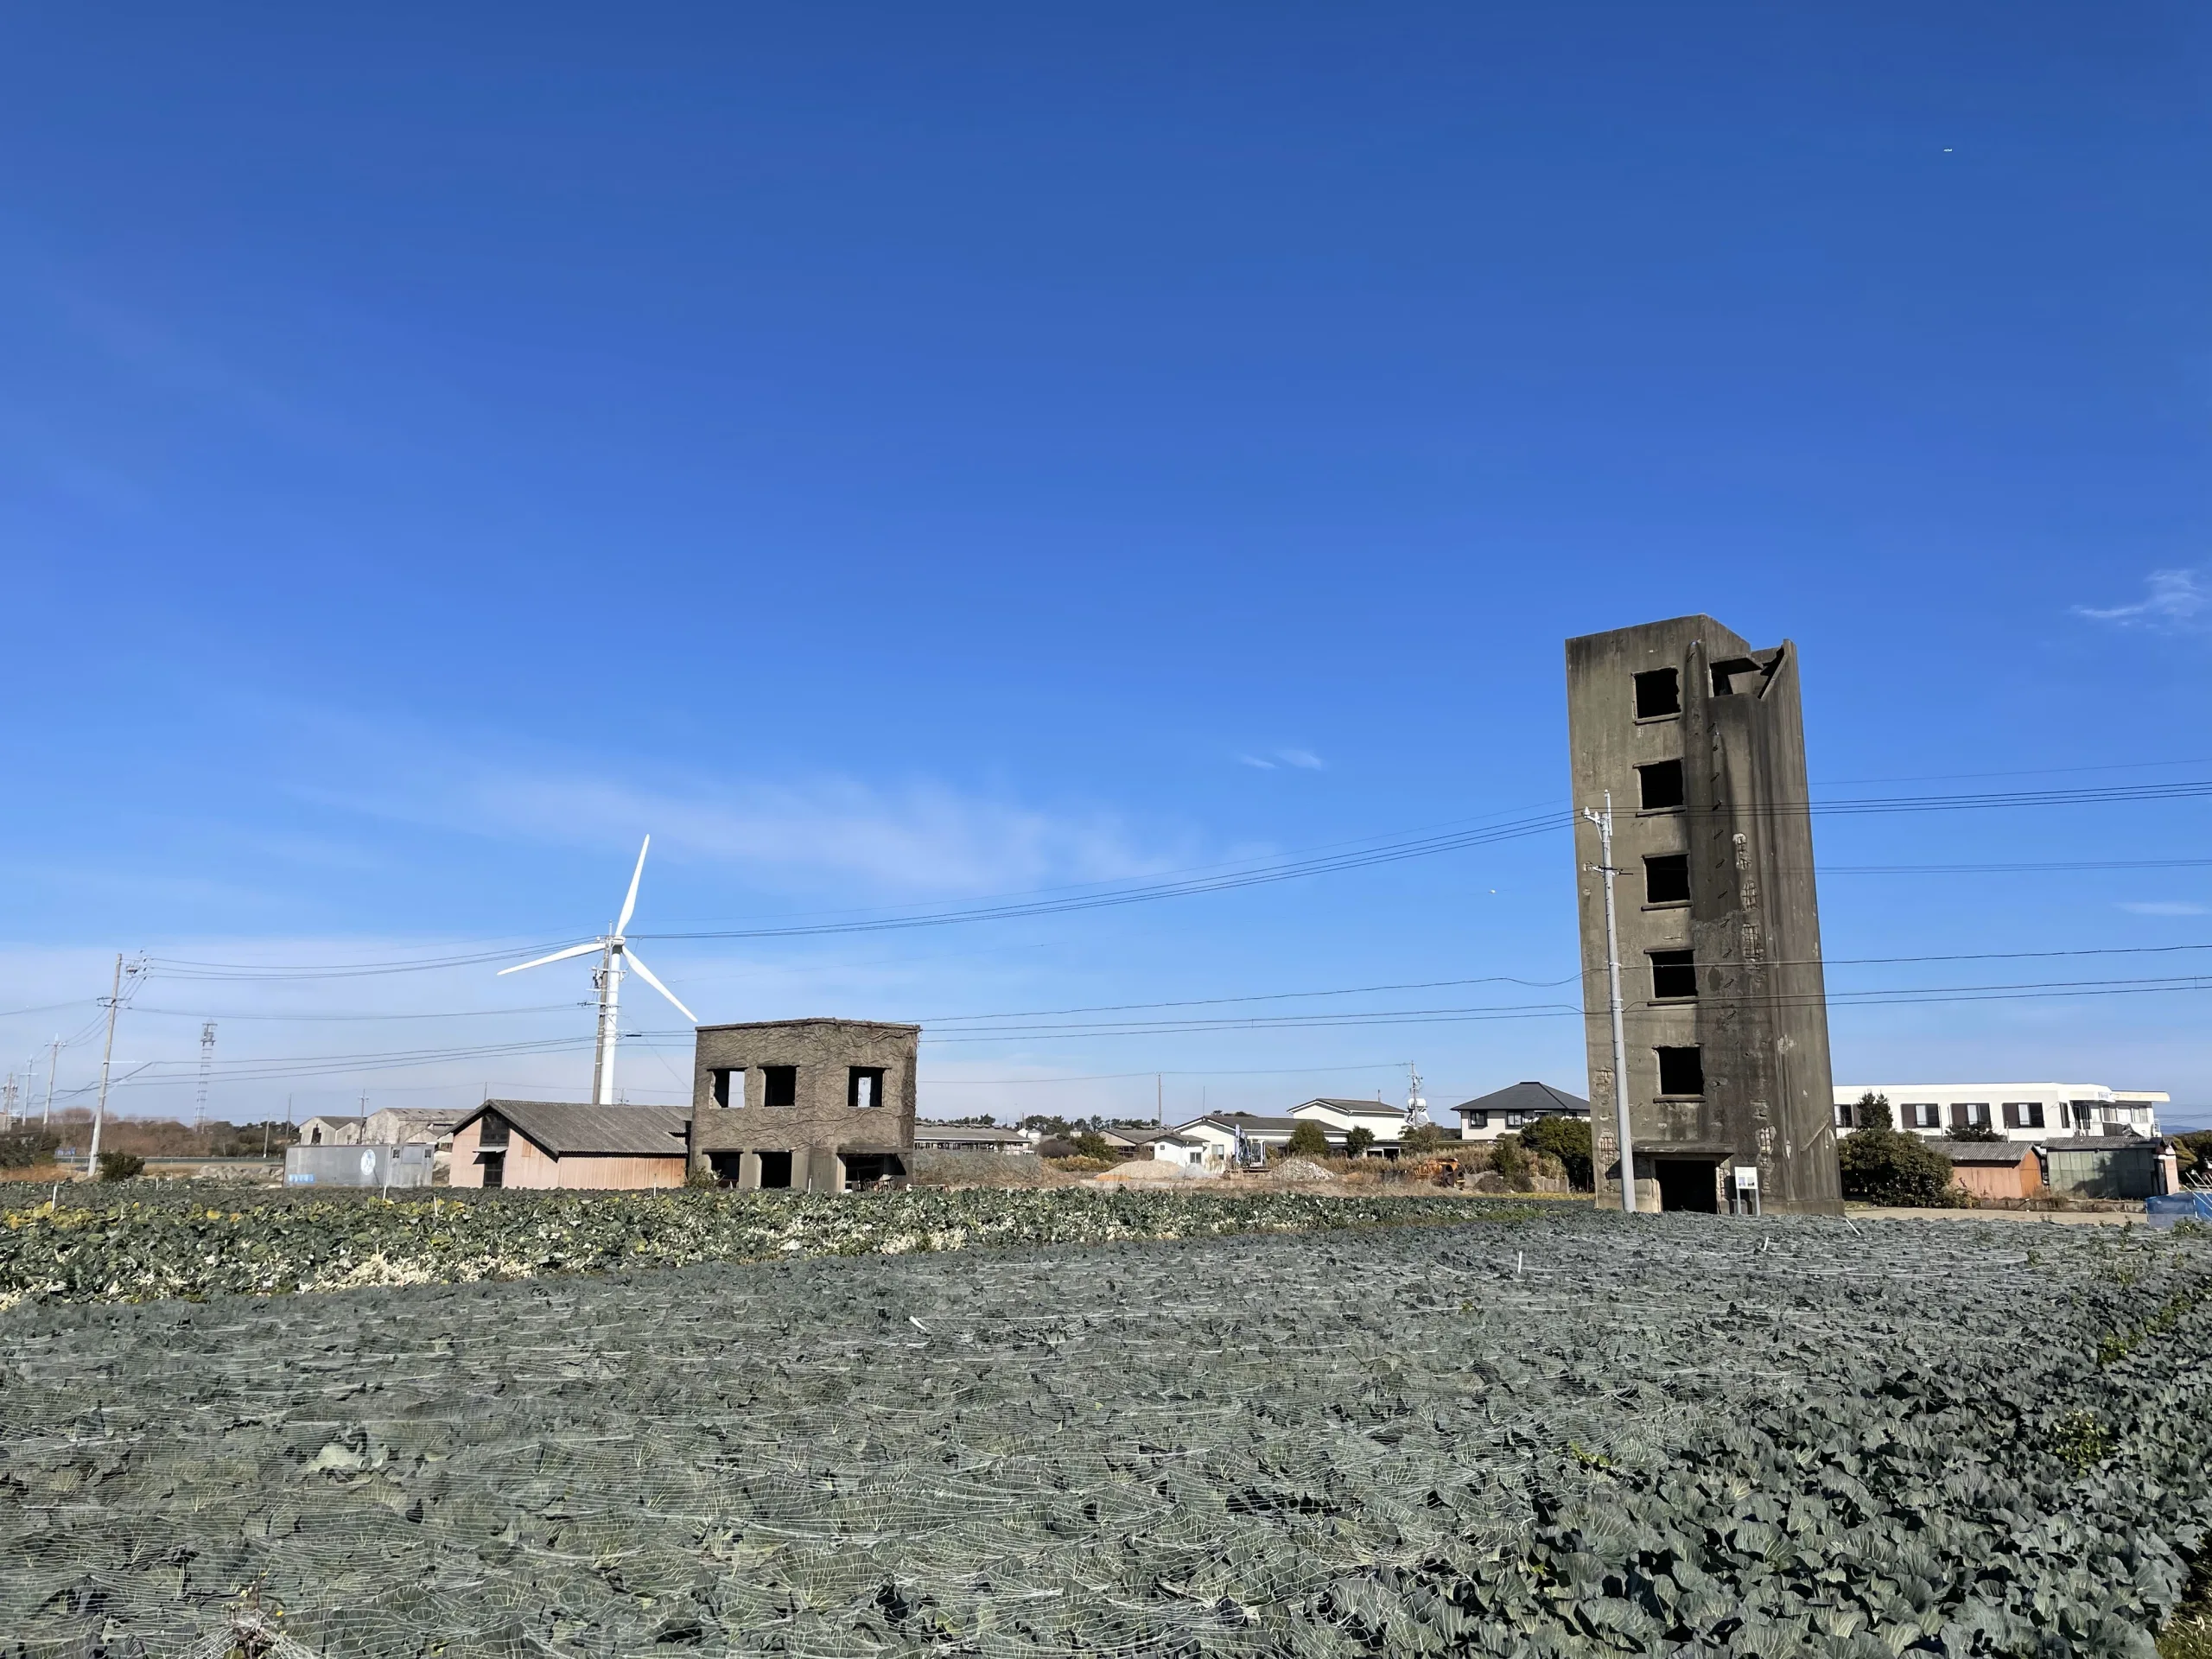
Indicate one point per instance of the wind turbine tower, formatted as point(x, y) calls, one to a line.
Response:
point(615, 959)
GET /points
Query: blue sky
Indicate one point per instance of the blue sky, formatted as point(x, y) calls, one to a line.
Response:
point(899, 457)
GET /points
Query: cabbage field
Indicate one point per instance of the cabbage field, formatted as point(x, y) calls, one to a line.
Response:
point(136, 1243)
point(1551, 1431)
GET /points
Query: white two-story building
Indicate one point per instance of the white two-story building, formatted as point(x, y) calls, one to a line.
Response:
point(2039, 1112)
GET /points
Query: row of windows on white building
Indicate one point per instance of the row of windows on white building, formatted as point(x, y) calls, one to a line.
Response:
point(2018, 1111)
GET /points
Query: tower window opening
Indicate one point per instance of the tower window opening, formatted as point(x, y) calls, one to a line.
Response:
point(1661, 784)
point(1658, 692)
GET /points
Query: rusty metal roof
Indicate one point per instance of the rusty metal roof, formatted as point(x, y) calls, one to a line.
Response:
point(566, 1128)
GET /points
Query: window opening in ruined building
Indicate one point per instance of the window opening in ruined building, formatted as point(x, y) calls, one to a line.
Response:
point(776, 1166)
point(1924, 1115)
point(1658, 692)
point(1661, 784)
point(1846, 1116)
point(491, 1131)
point(1674, 976)
point(1666, 879)
point(729, 1085)
point(1724, 674)
point(2023, 1114)
point(864, 1086)
point(2085, 1114)
point(495, 1167)
point(1969, 1114)
point(866, 1169)
point(778, 1086)
point(1681, 1071)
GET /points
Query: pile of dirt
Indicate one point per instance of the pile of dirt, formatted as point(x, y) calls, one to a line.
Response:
point(1300, 1169)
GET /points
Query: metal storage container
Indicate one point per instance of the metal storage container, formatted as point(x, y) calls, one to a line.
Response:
point(373, 1166)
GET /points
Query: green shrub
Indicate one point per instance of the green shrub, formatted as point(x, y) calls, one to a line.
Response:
point(1308, 1141)
point(1094, 1147)
point(1357, 1140)
point(1509, 1161)
point(1422, 1140)
point(1975, 1132)
point(1888, 1166)
point(1567, 1139)
point(26, 1149)
point(1874, 1112)
point(121, 1166)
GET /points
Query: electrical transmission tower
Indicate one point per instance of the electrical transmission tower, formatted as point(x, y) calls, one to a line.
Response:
point(206, 1067)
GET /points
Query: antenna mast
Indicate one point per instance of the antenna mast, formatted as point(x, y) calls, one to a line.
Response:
point(206, 1066)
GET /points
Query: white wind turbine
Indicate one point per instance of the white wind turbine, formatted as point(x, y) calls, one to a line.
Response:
point(615, 958)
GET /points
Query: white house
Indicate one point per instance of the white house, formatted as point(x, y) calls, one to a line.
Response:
point(2018, 1111)
point(1220, 1133)
point(1339, 1118)
point(1189, 1152)
point(1511, 1109)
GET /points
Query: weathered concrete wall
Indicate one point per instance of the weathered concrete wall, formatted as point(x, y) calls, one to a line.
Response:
point(820, 1129)
point(1751, 920)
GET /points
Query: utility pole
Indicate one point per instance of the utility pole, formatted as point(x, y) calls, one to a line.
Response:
point(1158, 1096)
point(1621, 1128)
point(107, 1059)
point(53, 1062)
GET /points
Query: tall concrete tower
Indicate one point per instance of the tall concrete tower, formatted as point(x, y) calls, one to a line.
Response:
point(1700, 740)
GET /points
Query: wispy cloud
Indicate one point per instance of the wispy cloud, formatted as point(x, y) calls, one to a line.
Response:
point(922, 837)
point(1304, 760)
point(2166, 907)
point(2173, 600)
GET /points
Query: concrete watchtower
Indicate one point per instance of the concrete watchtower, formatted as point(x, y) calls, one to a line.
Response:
point(1700, 740)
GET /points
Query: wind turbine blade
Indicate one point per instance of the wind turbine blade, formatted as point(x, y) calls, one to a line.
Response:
point(629, 905)
point(646, 974)
point(558, 956)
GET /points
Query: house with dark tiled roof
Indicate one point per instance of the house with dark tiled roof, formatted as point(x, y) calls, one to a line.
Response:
point(1511, 1109)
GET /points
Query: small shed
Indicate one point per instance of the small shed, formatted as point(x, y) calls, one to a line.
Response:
point(553, 1143)
point(968, 1137)
point(2107, 1167)
point(326, 1131)
point(1994, 1169)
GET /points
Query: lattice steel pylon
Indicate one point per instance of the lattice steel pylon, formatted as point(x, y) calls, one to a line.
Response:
point(206, 1067)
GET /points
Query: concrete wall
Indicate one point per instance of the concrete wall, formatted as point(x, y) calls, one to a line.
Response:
point(528, 1167)
point(1759, 1018)
point(819, 1130)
